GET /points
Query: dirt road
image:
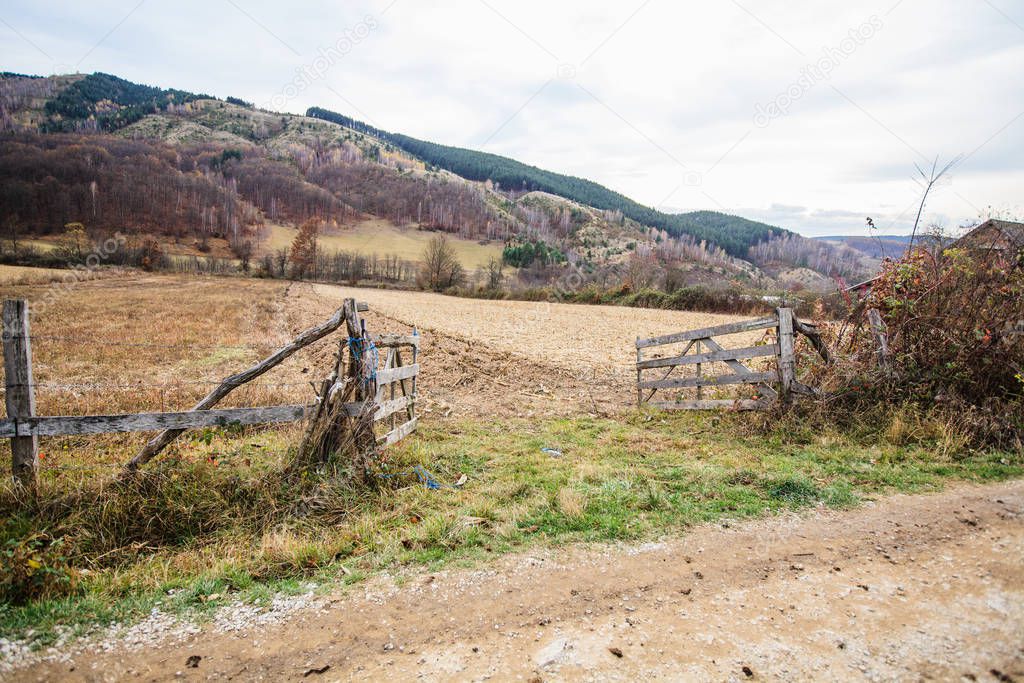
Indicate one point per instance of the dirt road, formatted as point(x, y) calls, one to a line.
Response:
point(911, 587)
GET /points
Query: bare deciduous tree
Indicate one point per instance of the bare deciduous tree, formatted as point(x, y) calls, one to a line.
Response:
point(495, 273)
point(640, 272)
point(441, 268)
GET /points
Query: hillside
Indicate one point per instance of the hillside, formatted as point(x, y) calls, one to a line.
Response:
point(734, 234)
point(205, 174)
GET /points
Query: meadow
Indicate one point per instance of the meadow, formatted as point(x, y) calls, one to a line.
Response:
point(384, 238)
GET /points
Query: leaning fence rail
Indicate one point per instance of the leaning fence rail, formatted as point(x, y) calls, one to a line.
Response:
point(24, 427)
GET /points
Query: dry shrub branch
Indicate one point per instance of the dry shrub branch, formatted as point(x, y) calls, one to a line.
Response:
point(953, 320)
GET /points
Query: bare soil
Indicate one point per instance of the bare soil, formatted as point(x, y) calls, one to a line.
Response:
point(911, 587)
point(479, 358)
point(517, 358)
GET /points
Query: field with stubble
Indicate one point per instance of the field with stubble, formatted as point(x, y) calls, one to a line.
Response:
point(528, 427)
point(161, 342)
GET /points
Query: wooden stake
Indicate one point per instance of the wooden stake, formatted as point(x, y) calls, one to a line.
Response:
point(639, 375)
point(415, 361)
point(787, 352)
point(20, 398)
point(881, 336)
point(700, 375)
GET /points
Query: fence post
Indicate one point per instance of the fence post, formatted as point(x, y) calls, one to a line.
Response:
point(20, 396)
point(700, 374)
point(787, 353)
point(415, 360)
point(881, 336)
point(639, 375)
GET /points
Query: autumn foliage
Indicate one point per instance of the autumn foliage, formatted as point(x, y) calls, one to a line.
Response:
point(953, 320)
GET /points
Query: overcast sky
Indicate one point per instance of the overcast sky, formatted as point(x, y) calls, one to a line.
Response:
point(807, 115)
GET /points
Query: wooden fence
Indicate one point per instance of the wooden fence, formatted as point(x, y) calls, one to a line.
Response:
point(23, 427)
point(700, 350)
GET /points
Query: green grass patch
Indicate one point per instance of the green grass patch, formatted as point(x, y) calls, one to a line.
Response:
point(191, 535)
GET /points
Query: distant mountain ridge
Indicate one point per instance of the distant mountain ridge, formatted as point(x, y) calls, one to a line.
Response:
point(732, 233)
point(875, 246)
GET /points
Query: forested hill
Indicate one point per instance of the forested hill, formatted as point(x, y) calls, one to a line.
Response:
point(734, 234)
point(104, 103)
point(88, 98)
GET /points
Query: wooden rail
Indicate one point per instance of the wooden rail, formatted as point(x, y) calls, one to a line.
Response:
point(23, 427)
point(710, 380)
point(707, 332)
point(723, 355)
point(68, 425)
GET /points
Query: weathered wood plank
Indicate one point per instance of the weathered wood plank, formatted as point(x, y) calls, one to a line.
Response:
point(394, 353)
point(228, 385)
point(388, 340)
point(700, 374)
point(787, 353)
point(723, 355)
point(20, 396)
point(720, 380)
point(639, 375)
point(412, 385)
point(881, 335)
point(716, 331)
point(147, 422)
point(384, 407)
point(742, 369)
point(395, 374)
point(410, 412)
point(399, 433)
point(390, 407)
point(707, 404)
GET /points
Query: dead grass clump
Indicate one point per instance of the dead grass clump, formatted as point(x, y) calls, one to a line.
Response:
point(572, 503)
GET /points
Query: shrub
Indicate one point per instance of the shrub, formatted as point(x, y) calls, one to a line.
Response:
point(952, 321)
point(34, 567)
point(151, 255)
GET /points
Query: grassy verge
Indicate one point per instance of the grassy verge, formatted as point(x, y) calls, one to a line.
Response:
point(199, 534)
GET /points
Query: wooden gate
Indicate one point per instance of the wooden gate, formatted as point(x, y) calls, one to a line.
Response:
point(699, 353)
point(394, 378)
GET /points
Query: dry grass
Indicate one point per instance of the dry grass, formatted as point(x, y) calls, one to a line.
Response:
point(25, 275)
point(571, 503)
point(377, 236)
point(157, 343)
